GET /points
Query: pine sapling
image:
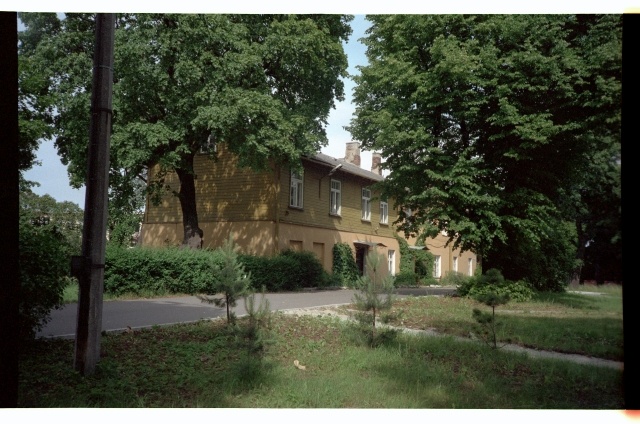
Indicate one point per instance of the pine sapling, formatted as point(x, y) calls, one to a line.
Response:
point(374, 294)
point(229, 279)
point(487, 320)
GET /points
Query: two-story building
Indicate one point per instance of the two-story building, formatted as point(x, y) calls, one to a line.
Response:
point(328, 202)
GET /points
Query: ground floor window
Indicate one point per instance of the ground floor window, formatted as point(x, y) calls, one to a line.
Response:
point(391, 260)
point(470, 267)
point(437, 270)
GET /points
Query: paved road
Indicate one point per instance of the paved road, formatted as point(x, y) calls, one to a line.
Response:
point(118, 315)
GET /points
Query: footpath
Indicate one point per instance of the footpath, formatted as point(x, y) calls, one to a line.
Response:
point(333, 311)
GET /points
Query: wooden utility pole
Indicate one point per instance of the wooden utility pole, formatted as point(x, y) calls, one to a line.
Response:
point(89, 268)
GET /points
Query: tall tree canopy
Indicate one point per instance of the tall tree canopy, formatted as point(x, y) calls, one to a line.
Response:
point(489, 124)
point(262, 84)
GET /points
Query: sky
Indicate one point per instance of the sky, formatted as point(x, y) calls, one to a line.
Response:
point(52, 174)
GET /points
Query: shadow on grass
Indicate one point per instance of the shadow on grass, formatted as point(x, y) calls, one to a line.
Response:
point(443, 373)
point(181, 366)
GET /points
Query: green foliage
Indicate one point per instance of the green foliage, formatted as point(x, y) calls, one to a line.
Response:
point(44, 273)
point(263, 84)
point(228, 278)
point(344, 269)
point(454, 278)
point(493, 127)
point(494, 282)
point(374, 295)
point(487, 321)
point(406, 279)
point(415, 264)
point(157, 270)
point(287, 271)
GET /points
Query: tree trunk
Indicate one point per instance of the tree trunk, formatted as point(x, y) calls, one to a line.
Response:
point(193, 235)
point(582, 241)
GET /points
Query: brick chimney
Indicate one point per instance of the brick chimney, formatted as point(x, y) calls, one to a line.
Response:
point(376, 161)
point(352, 154)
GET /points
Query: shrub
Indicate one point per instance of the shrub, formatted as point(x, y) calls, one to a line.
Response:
point(454, 278)
point(494, 282)
point(288, 271)
point(405, 279)
point(157, 270)
point(345, 270)
point(44, 272)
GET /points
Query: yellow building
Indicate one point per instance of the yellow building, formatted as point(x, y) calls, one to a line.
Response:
point(330, 201)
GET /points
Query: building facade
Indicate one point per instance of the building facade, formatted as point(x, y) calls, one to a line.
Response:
point(330, 201)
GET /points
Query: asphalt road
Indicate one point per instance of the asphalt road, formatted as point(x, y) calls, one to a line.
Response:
point(118, 315)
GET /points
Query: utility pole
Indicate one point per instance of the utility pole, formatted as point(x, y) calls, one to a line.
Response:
point(89, 268)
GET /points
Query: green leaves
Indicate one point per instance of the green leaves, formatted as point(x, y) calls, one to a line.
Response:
point(485, 121)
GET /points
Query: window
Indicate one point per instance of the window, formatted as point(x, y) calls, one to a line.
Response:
point(335, 197)
point(471, 267)
point(437, 270)
point(209, 146)
point(384, 213)
point(295, 194)
point(391, 259)
point(455, 263)
point(366, 204)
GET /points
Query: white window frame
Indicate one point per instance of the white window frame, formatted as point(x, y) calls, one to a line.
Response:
point(391, 261)
point(296, 190)
point(366, 204)
point(384, 212)
point(471, 267)
point(455, 264)
point(335, 206)
point(210, 146)
point(437, 266)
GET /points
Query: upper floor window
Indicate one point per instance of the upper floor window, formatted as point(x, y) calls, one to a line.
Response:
point(210, 146)
point(437, 269)
point(295, 193)
point(384, 213)
point(336, 188)
point(366, 204)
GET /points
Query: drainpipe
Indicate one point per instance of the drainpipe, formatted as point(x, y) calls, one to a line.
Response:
point(276, 228)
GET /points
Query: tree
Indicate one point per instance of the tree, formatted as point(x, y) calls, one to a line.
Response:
point(374, 295)
point(228, 278)
point(486, 122)
point(262, 84)
point(63, 218)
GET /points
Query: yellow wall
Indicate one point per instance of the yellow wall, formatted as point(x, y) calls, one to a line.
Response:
point(254, 207)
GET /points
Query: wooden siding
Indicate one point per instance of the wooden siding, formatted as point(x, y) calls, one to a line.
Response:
point(224, 192)
point(316, 203)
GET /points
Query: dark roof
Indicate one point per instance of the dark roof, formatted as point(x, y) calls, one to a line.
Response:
point(347, 167)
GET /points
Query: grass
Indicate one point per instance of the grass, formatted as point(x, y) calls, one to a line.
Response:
point(563, 322)
point(200, 365)
point(70, 295)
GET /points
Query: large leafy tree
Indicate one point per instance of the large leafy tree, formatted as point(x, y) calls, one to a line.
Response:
point(262, 84)
point(488, 123)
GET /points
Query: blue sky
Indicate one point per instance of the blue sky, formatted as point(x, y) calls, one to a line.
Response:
point(52, 174)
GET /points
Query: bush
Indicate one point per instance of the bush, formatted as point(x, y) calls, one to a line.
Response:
point(405, 279)
point(494, 282)
point(454, 278)
point(44, 273)
point(288, 271)
point(157, 270)
point(345, 270)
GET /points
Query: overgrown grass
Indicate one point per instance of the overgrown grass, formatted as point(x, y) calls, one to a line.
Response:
point(197, 365)
point(563, 322)
point(70, 294)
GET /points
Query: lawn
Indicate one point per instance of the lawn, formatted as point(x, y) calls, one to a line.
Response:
point(203, 365)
